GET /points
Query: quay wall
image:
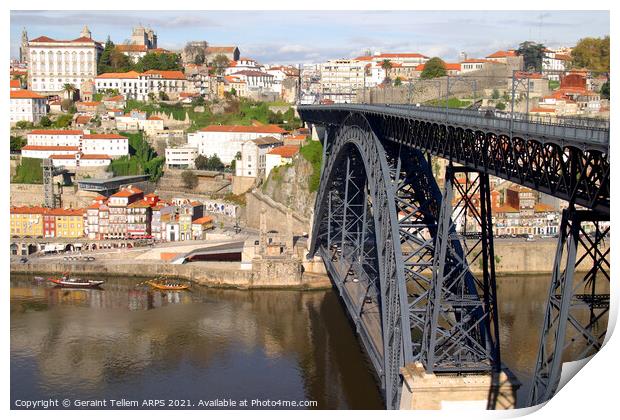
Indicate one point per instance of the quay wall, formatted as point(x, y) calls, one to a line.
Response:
point(206, 276)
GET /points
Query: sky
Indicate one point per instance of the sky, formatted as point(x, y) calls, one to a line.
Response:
point(291, 37)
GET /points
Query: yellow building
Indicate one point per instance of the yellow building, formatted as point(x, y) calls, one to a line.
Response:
point(27, 221)
point(69, 223)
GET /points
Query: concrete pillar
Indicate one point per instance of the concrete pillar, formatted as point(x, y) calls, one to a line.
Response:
point(263, 231)
point(315, 134)
point(424, 391)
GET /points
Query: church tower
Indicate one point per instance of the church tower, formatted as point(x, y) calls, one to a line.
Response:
point(23, 49)
point(85, 32)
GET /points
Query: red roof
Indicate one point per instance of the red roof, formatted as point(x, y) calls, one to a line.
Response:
point(52, 148)
point(153, 118)
point(125, 193)
point(541, 110)
point(103, 136)
point(204, 219)
point(127, 75)
point(116, 98)
point(167, 74)
point(285, 151)
point(131, 48)
point(82, 119)
point(48, 39)
point(58, 132)
point(448, 66)
point(28, 210)
point(139, 203)
point(24, 94)
point(88, 103)
point(272, 129)
point(502, 54)
point(402, 55)
point(95, 156)
point(62, 156)
point(15, 83)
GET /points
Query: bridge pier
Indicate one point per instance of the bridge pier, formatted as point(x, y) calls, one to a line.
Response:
point(427, 391)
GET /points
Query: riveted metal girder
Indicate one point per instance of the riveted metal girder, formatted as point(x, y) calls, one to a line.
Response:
point(575, 321)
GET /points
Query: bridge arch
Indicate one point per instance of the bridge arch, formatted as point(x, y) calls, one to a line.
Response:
point(373, 212)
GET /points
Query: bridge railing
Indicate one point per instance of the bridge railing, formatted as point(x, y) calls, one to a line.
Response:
point(590, 133)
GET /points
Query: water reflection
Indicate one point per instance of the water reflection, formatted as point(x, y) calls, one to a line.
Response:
point(127, 341)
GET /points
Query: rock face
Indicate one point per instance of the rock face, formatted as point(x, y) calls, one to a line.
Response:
point(288, 185)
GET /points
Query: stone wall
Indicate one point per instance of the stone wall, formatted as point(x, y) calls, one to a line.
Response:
point(32, 195)
point(276, 214)
point(207, 276)
point(242, 184)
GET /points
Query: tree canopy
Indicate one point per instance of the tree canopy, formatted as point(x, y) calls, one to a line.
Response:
point(532, 54)
point(435, 67)
point(219, 63)
point(212, 163)
point(592, 53)
point(159, 61)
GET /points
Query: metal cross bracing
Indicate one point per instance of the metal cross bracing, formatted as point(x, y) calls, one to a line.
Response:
point(575, 320)
point(375, 228)
point(562, 160)
point(461, 324)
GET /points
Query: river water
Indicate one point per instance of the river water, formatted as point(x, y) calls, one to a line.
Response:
point(126, 341)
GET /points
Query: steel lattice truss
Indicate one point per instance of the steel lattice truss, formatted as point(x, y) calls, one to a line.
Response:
point(576, 307)
point(575, 171)
point(399, 253)
point(375, 228)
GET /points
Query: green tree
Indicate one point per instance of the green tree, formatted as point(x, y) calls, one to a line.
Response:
point(104, 63)
point(190, 179)
point(23, 124)
point(435, 67)
point(69, 90)
point(398, 81)
point(63, 121)
point(163, 96)
point(501, 106)
point(219, 63)
point(199, 58)
point(201, 162)
point(158, 61)
point(605, 90)
point(17, 142)
point(119, 62)
point(45, 121)
point(532, 54)
point(495, 94)
point(592, 53)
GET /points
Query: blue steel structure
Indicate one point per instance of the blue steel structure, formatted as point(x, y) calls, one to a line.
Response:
point(390, 242)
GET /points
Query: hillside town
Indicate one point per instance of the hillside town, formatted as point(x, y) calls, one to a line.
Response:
point(212, 125)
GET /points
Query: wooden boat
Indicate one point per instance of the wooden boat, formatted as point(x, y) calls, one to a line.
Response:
point(168, 285)
point(75, 282)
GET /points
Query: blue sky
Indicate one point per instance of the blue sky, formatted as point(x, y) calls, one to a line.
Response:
point(315, 36)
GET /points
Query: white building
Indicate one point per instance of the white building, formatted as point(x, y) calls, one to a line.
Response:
point(54, 63)
point(553, 63)
point(241, 65)
point(112, 145)
point(253, 156)
point(134, 85)
point(183, 157)
point(44, 152)
point(341, 79)
point(255, 79)
point(278, 156)
point(133, 122)
point(55, 138)
point(225, 140)
point(472, 64)
point(74, 160)
point(27, 106)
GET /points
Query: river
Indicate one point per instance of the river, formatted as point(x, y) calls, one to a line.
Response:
point(126, 341)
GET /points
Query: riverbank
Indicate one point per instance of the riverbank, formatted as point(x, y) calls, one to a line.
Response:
point(204, 274)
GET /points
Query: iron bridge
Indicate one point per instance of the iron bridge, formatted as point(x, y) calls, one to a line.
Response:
point(394, 243)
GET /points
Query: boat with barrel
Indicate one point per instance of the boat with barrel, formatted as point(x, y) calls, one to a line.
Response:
point(67, 281)
point(168, 285)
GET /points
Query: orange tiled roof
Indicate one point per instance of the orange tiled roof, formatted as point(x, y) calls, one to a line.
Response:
point(167, 74)
point(55, 156)
point(15, 83)
point(204, 219)
point(448, 66)
point(285, 151)
point(273, 129)
point(127, 75)
point(88, 103)
point(401, 55)
point(103, 136)
point(24, 94)
point(502, 54)
point(131, 48)
point(58, 132)
point(139, 204)
point(95, 156)
point(52, 148)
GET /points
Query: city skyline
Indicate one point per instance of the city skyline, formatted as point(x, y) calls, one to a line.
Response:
point(280, 36)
